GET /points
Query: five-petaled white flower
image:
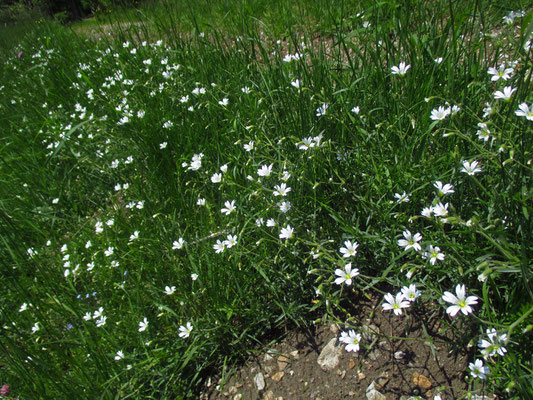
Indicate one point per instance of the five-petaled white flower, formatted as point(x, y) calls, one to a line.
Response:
point(281, 190)
point(320, 111)
point(395, 303)
point(494, 345)
point(170, 290)
point(229, 207)
point(478, 370)
point(506, 94)
point(351, 339)
point(119, 356)
point(440, 210)
point(400, 69)
point(349, 249)
point(459, 302)
point(410, 241)
point(470, 168)
point(346, 275)
point(443, 189)
point(401, 198)
point(231, 240)
point(500, 73)
point(525, 111)
point(219, 246)
point(438, 114)
point(186, 330)
point(143, 325)
point(178, 244)
point(434, 254)
point(265, 170)
point(216, 178)
point(410, 293)
point(286, 233)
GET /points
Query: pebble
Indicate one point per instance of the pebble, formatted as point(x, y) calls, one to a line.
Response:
point(352, 363)
point(277, 376)
point(373, 394)
point(269, 395)
point(237, 397)
point(294, 354)
point(421, 381)
point(259, 381)
point(374, 355)
point(399, 355)
point(283, 361)
point(329, 357)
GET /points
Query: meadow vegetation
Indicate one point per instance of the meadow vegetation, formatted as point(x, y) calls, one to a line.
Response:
point(190, 180)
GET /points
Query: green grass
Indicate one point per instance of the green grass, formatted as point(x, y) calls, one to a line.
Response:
point(74, 110)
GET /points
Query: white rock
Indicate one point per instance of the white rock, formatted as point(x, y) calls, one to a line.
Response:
point(329, 356)
point(259, 381)
point(373, 394)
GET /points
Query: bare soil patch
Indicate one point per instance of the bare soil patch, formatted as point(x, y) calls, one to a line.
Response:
point(429, 360)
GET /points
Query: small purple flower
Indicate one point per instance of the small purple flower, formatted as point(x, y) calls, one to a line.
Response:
point(69, 327)
point(19, 55)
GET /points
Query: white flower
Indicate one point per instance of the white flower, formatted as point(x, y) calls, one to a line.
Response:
point(216, 178)
point(493, 346)
point(170, 290)
point(400, 69)
point(440, 210)
point(286, 233)
point(87, 316)
point(101, 321)
point(249, 146)
point(194, 276)
point(395, 303)
point(23, 307)
point(459, 302)
point(143, 325)
point(477, 370)
point(296, 83)
point(229, 207)
point(483, 132)
point(281, 190)
point(245, 90)
point(201, 202)
point(271, 222)
point(134, 236)
point(438, 114)
point(285, 176)
point(470, 168)
point(35, 327)
point(259, 221)
point(285, 206)
point(346, 275)
point(443, 189)
point(351, 339)
point(224, 102)
point(119, 356)
point(224, 168)
point(434, 254)
point(349, 249)
point(506, 94)
point(219, 246)
point(98, 313)
point(500, 73)
point(230, 241)
point(401, 198)
point(265, 170)
point(320, 111)
point(109, 251)
point(178, 244)
point(410, 293)
point(438, 60)
point(355, 110)
point(427, 212)
point(185, 331)
point(98, 227)
point(410, 241)
point(525, 111)
point(163, 145)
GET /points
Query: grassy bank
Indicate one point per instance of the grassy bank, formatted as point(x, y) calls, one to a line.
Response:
point(176, 191)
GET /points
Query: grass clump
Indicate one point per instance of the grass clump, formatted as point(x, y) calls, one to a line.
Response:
point(167, 203)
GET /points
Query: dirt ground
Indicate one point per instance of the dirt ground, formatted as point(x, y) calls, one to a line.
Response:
point(426, 359)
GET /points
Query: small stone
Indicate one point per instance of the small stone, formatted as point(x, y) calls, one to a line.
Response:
point(237, 397)
point(267, 356)
point(351, 394)
point(269, 395)
point(283, 361)
point(239, 385)
point(399, 355)
point(373, 394)
point(279, 398)
point(329, 356)
point(369, 332)
point(374, 355)
point(268, 369)
point(421, 381)
point(232, 390)
point(385, 345)
point(294, 354)
point(259, 381)
point(352, 363)
point(334, 328)
point(360, 375)
point(277, 376)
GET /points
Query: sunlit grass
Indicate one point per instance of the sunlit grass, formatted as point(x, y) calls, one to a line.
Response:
point(173, 193)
